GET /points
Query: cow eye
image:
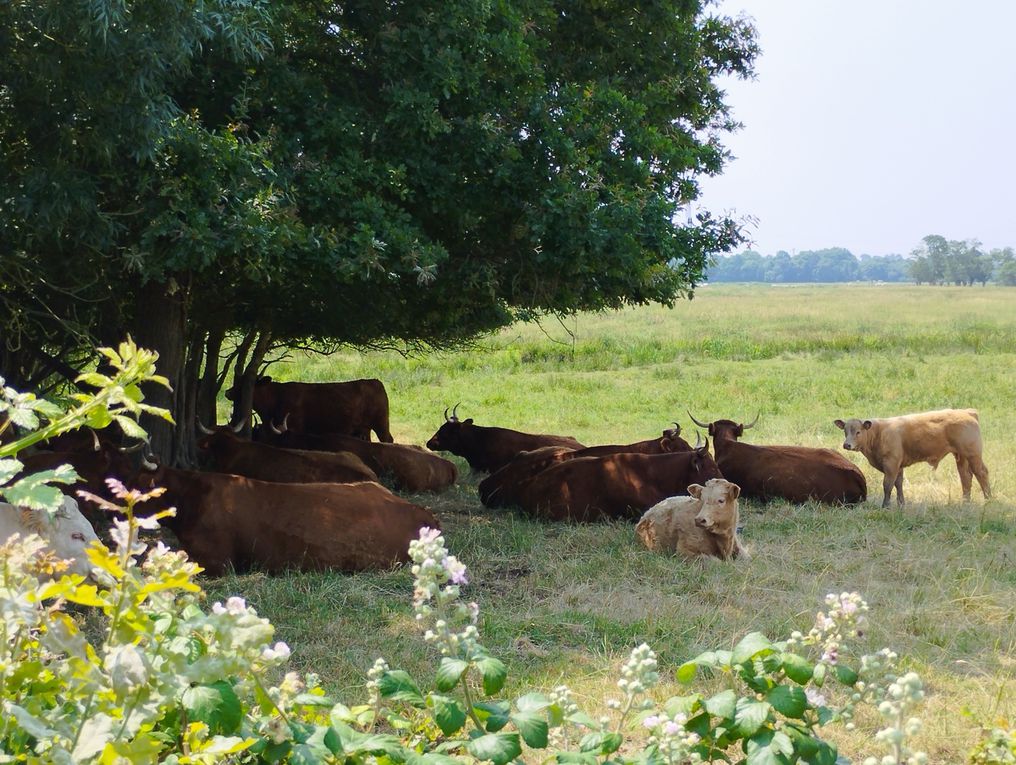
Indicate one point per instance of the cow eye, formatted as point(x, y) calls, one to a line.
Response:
point(78, 536)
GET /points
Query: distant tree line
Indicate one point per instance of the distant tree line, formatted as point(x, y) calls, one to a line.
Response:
point(936, 260)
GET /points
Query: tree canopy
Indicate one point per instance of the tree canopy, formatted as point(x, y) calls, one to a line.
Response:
point(358, 172)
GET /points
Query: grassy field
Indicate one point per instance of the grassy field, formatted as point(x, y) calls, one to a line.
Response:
point(567, 603)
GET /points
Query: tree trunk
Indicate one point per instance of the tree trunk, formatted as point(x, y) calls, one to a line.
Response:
point(186, 454)
point(160, 322)
point(208, 389)
point(245, 375)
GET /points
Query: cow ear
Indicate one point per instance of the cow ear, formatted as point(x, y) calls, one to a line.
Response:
point(695, 490)
point(468, 422)
point(264, 379)
point(735, 491)
point(840, 424)
point(867, 424)
point(740, 431)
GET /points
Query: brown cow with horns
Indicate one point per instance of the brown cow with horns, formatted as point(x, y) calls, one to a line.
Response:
point(794, 473)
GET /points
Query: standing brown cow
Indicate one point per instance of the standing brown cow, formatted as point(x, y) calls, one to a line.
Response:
point(353, 408)
point(893, 443)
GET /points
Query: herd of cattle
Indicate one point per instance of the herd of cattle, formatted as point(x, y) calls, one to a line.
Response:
point(305, 492)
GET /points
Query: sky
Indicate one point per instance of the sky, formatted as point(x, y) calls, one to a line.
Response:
point(872, 123)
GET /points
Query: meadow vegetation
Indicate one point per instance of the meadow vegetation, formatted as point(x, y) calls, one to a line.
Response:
point(572, 601)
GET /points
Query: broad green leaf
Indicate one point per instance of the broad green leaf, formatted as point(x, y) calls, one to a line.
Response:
point(845, 674)
point(769, 747)
point(8, 469)
point(313, 700)
point(216, 705)
point(600, 742)
point(448, 713)
point(499, 748)
point(788, 700)
point(494, 674)
point(576, 758)
point(98, 419)
point(797, 668)
point(397, 685)
point(818, 676)
point(750, 646)
point(130, 428)
point(749, 715)
point(449, 672)
point(532, 702)
point(682, 704)
point(722, 704)
point(686, 672)
point(34, 491)
point(431, 758)
point(493, 714)
point(533, 727)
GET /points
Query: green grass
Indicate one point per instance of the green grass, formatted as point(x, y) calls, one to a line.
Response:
point(564, 602)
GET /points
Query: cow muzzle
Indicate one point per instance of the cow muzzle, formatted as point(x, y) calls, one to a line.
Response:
point(702, 523)
point(848, 447)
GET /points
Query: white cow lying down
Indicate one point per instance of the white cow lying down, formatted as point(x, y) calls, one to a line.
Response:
point(66, 532)
point(703, 524)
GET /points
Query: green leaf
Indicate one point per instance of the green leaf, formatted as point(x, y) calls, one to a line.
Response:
point(431, 758)
point(313, 700)
point(750, 646)
point(8, 469)
point(818, 676)
point(797, 668)
point(494, 674)
point(533, 727)
point(845, 674)
point(397, 685)
point(499, 748)
point(449, 714)
point(576, 758)
point(769, 747)
point(749, 715)
point(493, 714)
point(532, 702)
point(130, 428)
point(788, 700)
point(686, 672)
point(34, 491)
point(722, 704)
point(449, 672)
point(600, 742)
point(682, 704)
point(216, 705)
point(97, 419)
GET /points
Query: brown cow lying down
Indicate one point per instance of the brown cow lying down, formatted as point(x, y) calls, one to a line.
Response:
point(615, 486)
point(227, 521)
point(488, 449)
point(501, 488)
point(793, 473)
point(231, 454)
point(410, 467)
point(704, 523)
point(893, 443)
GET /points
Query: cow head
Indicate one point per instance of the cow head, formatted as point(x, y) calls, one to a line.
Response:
point(451, 436)
point(673, 432)
point(718, 510)
point(855, 433)
point(66, 532)
point(212, 438)
point(725, 430)
point(262, 380)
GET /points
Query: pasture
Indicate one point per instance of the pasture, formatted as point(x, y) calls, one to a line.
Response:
point(567, 603)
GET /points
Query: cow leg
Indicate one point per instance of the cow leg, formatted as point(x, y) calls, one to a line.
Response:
point(981, 471)
point(889, 478)
point(966, 475)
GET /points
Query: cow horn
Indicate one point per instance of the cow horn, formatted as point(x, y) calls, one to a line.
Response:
point(275, 430)
point(132, 449)
point(677, 428)
point(752, 423)
point(202, 428)
point(455, 409)
point(284, 426)
point(446, 414)
point(146, 461)
point(239, 426)
point(698, 439)
point(700, 424)
point(95, 442)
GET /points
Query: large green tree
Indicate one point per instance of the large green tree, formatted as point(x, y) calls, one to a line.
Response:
point(356, 172)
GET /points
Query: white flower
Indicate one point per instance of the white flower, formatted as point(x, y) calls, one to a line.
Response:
point(815, 698)
point(280, 651)
point(236, 605)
